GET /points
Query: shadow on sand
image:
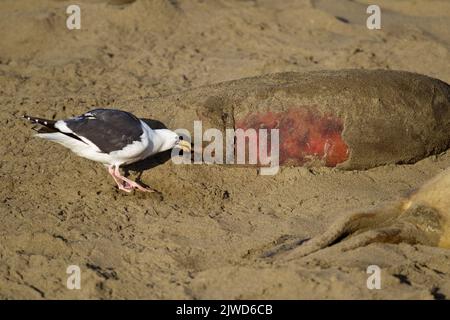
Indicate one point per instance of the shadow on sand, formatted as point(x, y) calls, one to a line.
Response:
point(150, 162)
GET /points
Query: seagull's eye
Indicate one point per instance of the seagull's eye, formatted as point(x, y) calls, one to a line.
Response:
point(180, 138)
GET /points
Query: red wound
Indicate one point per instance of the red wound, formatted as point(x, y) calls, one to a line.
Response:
point(305, 135)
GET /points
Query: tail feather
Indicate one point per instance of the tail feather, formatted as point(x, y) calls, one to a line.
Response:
point(48, 125)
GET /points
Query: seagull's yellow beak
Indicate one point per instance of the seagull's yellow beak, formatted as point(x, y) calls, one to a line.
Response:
point(184, 145)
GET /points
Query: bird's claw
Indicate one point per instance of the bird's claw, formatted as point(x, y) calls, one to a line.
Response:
point(130, 186)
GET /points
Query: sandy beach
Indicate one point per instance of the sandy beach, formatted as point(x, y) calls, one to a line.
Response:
point(202, 236)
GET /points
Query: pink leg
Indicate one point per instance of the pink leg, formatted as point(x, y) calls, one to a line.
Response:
point(119, 182)
point(130, 184)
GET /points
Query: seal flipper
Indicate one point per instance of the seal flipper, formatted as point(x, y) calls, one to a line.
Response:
point(422, 218)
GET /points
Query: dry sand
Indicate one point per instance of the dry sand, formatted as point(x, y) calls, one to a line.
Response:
point(201, 237)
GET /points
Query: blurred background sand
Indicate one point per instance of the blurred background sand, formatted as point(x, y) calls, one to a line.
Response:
point(200, 239)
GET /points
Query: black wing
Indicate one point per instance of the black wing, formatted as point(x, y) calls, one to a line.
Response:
point(109, 129)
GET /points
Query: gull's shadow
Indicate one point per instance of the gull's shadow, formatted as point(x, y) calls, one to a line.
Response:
point(154, 124)
point(150, 162)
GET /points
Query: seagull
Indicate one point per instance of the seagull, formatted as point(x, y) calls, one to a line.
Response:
point(112, 137)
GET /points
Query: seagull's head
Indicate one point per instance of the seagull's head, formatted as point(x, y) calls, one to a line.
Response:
point(183, 144)
point(173, 140)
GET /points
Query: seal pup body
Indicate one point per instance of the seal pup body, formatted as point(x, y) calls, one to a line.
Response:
point(422, 218)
